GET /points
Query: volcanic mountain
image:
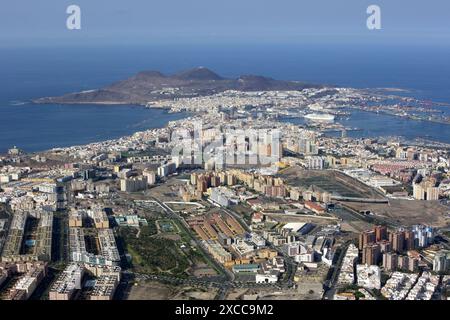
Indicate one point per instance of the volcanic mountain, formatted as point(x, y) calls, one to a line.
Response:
point(148, 86)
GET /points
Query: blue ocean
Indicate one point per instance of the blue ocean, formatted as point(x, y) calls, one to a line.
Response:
point(27, 73)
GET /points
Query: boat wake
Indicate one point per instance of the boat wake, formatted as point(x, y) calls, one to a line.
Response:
point(17, 103)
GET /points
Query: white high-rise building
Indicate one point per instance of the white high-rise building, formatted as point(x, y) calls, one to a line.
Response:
point(441, 262)
point(133, 184)
point(316, 163)
point(151, 176)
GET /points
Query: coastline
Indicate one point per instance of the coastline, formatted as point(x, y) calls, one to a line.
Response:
point(115, 122)
point(409, 117)
point(167, 109)
point(175, 100)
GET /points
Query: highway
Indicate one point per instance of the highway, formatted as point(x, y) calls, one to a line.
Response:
point(329, 292)
point(364, 200)
point(372, 219)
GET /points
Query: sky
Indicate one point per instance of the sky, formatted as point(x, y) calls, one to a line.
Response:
point(43, 22)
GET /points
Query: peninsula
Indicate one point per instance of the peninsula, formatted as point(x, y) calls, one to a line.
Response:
point(148, 86)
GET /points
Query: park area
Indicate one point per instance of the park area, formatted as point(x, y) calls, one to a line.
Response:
point(163, 248)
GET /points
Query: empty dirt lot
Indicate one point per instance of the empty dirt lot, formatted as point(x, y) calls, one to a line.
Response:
point(152, 290)
point(332, 181)
point(407, 212)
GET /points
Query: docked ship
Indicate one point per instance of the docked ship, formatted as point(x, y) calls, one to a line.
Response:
point(320, 117)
